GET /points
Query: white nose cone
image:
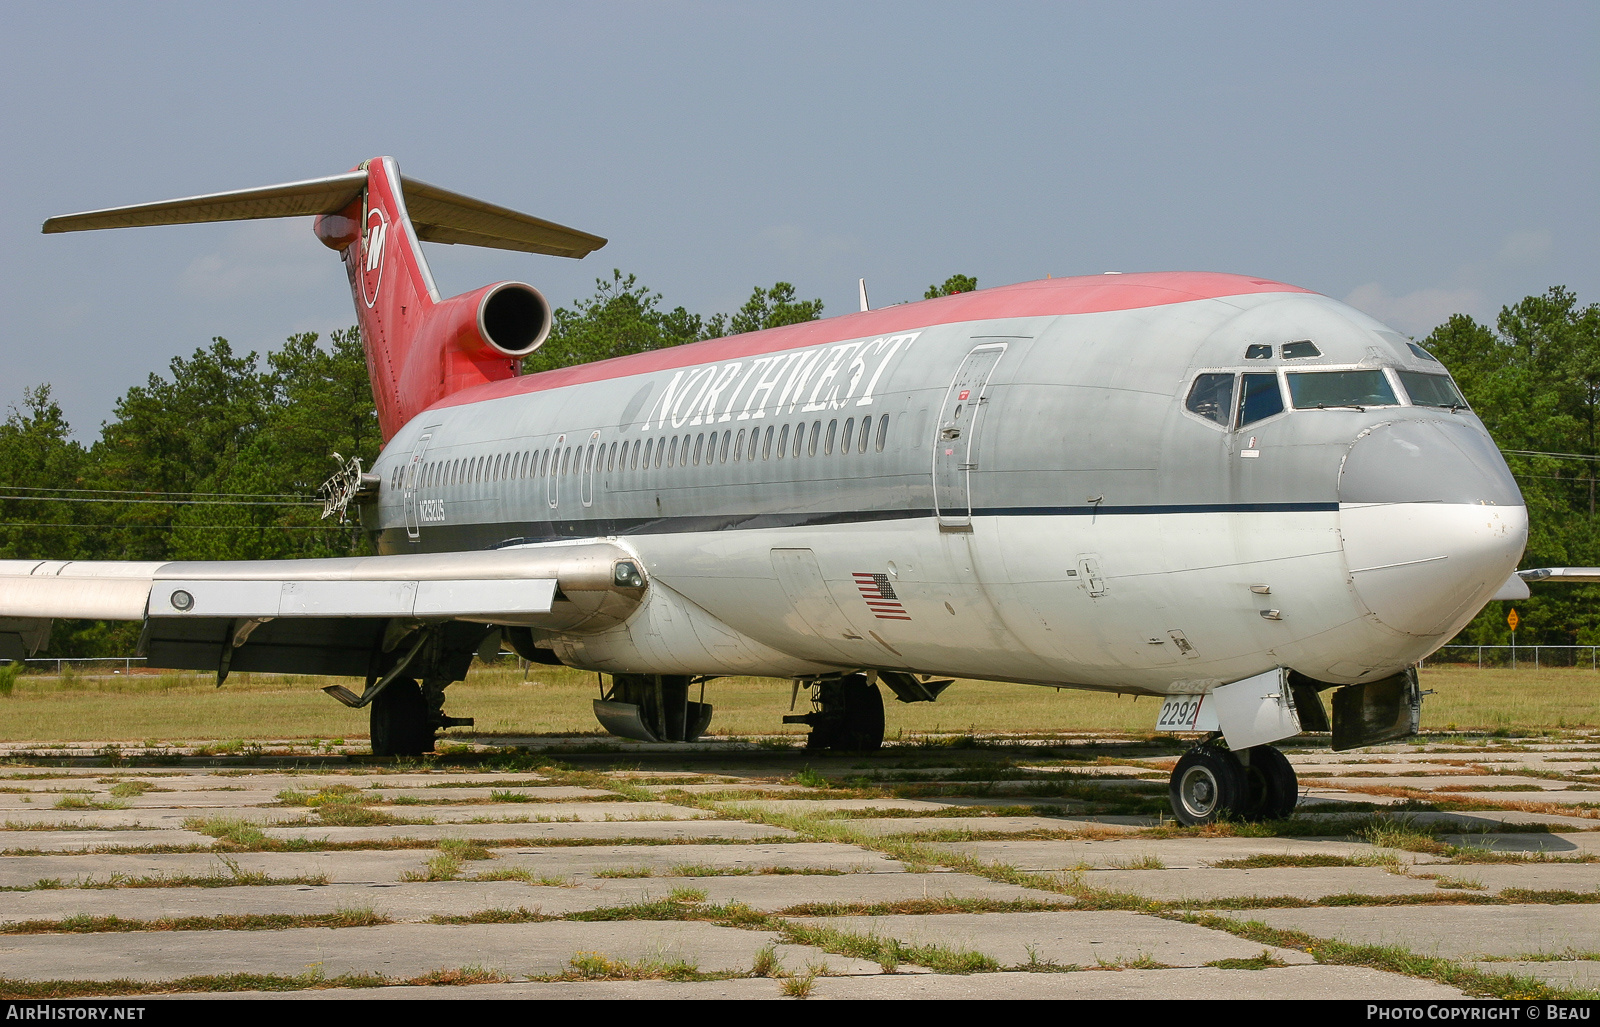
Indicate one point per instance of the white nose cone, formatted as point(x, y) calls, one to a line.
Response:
point(1428, 568)
point(1432, 524)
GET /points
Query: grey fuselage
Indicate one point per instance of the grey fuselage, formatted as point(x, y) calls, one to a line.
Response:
point(1036, 498)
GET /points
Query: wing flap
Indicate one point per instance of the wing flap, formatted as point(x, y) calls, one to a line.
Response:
point(505, 583)
point(292, 597)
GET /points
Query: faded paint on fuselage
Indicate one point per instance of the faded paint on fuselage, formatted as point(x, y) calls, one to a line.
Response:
point(1115, 536)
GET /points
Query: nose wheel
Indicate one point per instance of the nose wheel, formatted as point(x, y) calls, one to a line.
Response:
point(1212, 783)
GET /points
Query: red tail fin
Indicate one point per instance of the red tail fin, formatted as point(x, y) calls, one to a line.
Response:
point(419, 348)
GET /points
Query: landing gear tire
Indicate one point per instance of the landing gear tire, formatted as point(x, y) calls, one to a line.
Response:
point(1271, 789)
point(863, 716)
point(849, 718)
point(400, 721)
point(1207, 783)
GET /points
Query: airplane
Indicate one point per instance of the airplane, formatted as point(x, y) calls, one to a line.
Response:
point(1228, 492)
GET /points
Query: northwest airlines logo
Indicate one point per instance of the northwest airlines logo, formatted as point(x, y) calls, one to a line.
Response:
point(825, 378)
point(372, 256)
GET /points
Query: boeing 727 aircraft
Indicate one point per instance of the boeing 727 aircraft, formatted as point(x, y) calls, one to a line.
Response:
point(1225, 491)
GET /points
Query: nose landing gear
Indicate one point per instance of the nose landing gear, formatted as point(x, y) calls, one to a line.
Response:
point(1211, 782)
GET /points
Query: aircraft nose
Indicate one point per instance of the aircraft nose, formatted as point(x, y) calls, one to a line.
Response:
point(1432, 523)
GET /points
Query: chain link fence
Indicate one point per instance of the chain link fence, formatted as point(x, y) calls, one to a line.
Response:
point(1515, 657)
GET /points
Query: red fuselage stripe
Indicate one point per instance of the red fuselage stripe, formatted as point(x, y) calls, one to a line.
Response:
point(1050, 297)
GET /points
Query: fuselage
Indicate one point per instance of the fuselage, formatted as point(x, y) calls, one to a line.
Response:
point(1134, 483)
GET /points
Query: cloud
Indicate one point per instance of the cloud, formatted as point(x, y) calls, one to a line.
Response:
point(1419, 312)
point(1521, 249)
point(260, 258)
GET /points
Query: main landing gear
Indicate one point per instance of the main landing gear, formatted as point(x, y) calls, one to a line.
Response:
point(1211, 782)
point(847, 715)
point(405, 717)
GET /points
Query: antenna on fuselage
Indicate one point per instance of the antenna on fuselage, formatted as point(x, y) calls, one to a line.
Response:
point(862, 283)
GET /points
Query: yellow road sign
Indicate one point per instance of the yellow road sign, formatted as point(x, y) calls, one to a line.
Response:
point(1512, 619)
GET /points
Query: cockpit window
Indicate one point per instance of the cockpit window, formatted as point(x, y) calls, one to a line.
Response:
point(1321, 389)
point(1259, 398)
point(1259, 351)
point(1211, 397)
point(1431, 390)
point(1303, 348)
point(1419, 351)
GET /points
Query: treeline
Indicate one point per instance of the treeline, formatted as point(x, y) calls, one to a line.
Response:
point(221, 457)
point(1534, 379)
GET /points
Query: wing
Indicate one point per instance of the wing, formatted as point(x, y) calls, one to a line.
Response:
point(351, 616)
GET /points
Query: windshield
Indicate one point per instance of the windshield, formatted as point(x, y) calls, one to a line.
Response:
point(1314, 389)
point(1431, 390)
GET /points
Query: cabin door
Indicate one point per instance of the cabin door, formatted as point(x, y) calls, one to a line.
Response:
point(955, 440)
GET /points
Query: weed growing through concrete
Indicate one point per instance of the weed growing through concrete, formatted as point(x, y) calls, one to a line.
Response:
point(938, 957)
point(767, 964)
point(1391, 958)
point(800, 986)
point(596, 966)
point(1265, 961)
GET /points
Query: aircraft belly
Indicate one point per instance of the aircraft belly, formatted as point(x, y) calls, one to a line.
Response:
point(897, 595)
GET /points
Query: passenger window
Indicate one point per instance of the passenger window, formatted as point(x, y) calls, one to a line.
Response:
point(700, 441)
point(883, 431)
point(1259, 398)
point(827, 443)
point(751, 453)
point(1259, 351)
point(1211, 396)
point(783, 442)
point(1303, 348)
point(844, 443)
point(649, 447)
point(766, 446)
point(727, 440)
point(816, 432)
point(738, 447)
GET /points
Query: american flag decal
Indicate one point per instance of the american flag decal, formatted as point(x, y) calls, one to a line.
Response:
point(880, 597)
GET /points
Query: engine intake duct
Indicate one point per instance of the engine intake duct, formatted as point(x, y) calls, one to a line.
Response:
point(508, 319)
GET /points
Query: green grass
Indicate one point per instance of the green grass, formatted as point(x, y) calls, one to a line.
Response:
point(87, 924)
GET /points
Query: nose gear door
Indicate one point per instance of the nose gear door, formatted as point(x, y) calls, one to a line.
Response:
point(955, 441)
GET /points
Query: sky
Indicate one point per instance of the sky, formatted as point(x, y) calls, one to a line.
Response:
point(1414, 160)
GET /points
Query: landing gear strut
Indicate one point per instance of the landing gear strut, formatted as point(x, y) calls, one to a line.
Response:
point(848, 715)
point(1211, 782)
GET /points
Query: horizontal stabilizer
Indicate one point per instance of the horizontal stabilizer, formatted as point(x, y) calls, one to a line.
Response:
point(291, 199)
point(1575, 575)
point(438, 215)
point(442, 216)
